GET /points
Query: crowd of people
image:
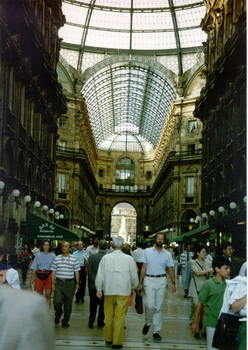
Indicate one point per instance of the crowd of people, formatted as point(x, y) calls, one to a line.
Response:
point(114, 272)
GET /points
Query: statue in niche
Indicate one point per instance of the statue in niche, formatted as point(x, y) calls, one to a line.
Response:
point(180, 86)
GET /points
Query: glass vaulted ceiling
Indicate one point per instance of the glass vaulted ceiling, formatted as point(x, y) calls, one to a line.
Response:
point(128, 100)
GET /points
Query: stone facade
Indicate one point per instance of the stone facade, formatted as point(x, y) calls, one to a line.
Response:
point(31, 102)
point(222, 109)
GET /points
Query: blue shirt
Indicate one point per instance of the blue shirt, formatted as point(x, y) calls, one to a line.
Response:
point(80, 254)
point(42, 261)
point(156, 261)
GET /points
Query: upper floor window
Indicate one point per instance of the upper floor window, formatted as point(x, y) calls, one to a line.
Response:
point(101, 173)
point(124, 175)
point(190, 189)
point(63, 122)
point(191, 149)
point(192, 126)
point(61, 182)
point(148, 175)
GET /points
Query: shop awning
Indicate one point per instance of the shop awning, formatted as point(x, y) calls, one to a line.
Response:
point(200, 230)
point(41, 228)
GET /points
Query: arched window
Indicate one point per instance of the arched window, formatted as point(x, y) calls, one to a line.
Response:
point(124, 175)
point(186, 225)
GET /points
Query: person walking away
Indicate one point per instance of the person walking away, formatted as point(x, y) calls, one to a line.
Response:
point(200, 269)
point(156, 261)
point(227, 250)
point(211, 295)
point(93, 263)
point(80, 255)
point(41, 275)
point(93, 248)
point(8, 275)
point(184, 259)
point(136, 254)
point(25, 257)
point(64, 268)
point(116, 277)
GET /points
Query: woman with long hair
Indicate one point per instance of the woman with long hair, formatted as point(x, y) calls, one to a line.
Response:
point(200, 271)
point(41, 271)
point(25, 258)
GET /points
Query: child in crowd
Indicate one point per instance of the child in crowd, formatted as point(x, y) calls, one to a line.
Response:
point(211, 295)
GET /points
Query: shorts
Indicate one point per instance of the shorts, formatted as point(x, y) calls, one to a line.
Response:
point(40, 285)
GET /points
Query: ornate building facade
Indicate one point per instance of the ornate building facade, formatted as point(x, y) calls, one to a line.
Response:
point(31, 102)
point(222, 110)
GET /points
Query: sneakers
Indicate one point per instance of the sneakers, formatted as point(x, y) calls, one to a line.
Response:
point(108, 343)
point(145, 329)
point(117, 346)
point(157, 336)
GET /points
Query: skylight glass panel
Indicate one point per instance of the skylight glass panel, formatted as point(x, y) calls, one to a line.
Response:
point(74, 14)
point(152, 21)
point(192, 37)
point(170, 62)
point(71, 56)
point(115, 40)
point(90, 59)
point(71, 34)
point(153, 41)
point(114, 3)
point(110, 19)
point(189, 17)
point(150, 3)
point(186, 2)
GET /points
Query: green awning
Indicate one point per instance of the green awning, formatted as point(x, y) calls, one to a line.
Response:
point(202, 230)
point(41, 228)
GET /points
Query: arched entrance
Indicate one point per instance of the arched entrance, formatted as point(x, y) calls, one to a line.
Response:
point(124, 222)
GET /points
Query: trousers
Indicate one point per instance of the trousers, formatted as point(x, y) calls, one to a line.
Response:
point(115, 308)
point(94, 302)
point(63, 295)
point(155, 288)
point(82, 283)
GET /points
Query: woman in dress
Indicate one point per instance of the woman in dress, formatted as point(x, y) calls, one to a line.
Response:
point(200, 271)
point(25, 258)
point(41, 275)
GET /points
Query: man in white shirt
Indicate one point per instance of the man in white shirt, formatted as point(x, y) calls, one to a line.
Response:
point(116, 277)
point(136, 254)
point(156, 261)
point(93, 248)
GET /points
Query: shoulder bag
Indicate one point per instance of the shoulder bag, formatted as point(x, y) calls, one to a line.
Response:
point(227, 332)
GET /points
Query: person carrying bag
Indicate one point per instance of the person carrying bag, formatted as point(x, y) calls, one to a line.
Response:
point(228, 329)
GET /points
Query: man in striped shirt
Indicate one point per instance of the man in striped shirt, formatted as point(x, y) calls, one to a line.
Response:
point(64, 267)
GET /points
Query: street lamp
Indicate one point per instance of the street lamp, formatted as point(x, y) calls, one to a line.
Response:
point(2, 185)
point(221, 209)
point(37, 204)
point(233, 205)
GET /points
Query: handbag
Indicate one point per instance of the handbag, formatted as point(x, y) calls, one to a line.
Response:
point(138, 303)
point(227, 332)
